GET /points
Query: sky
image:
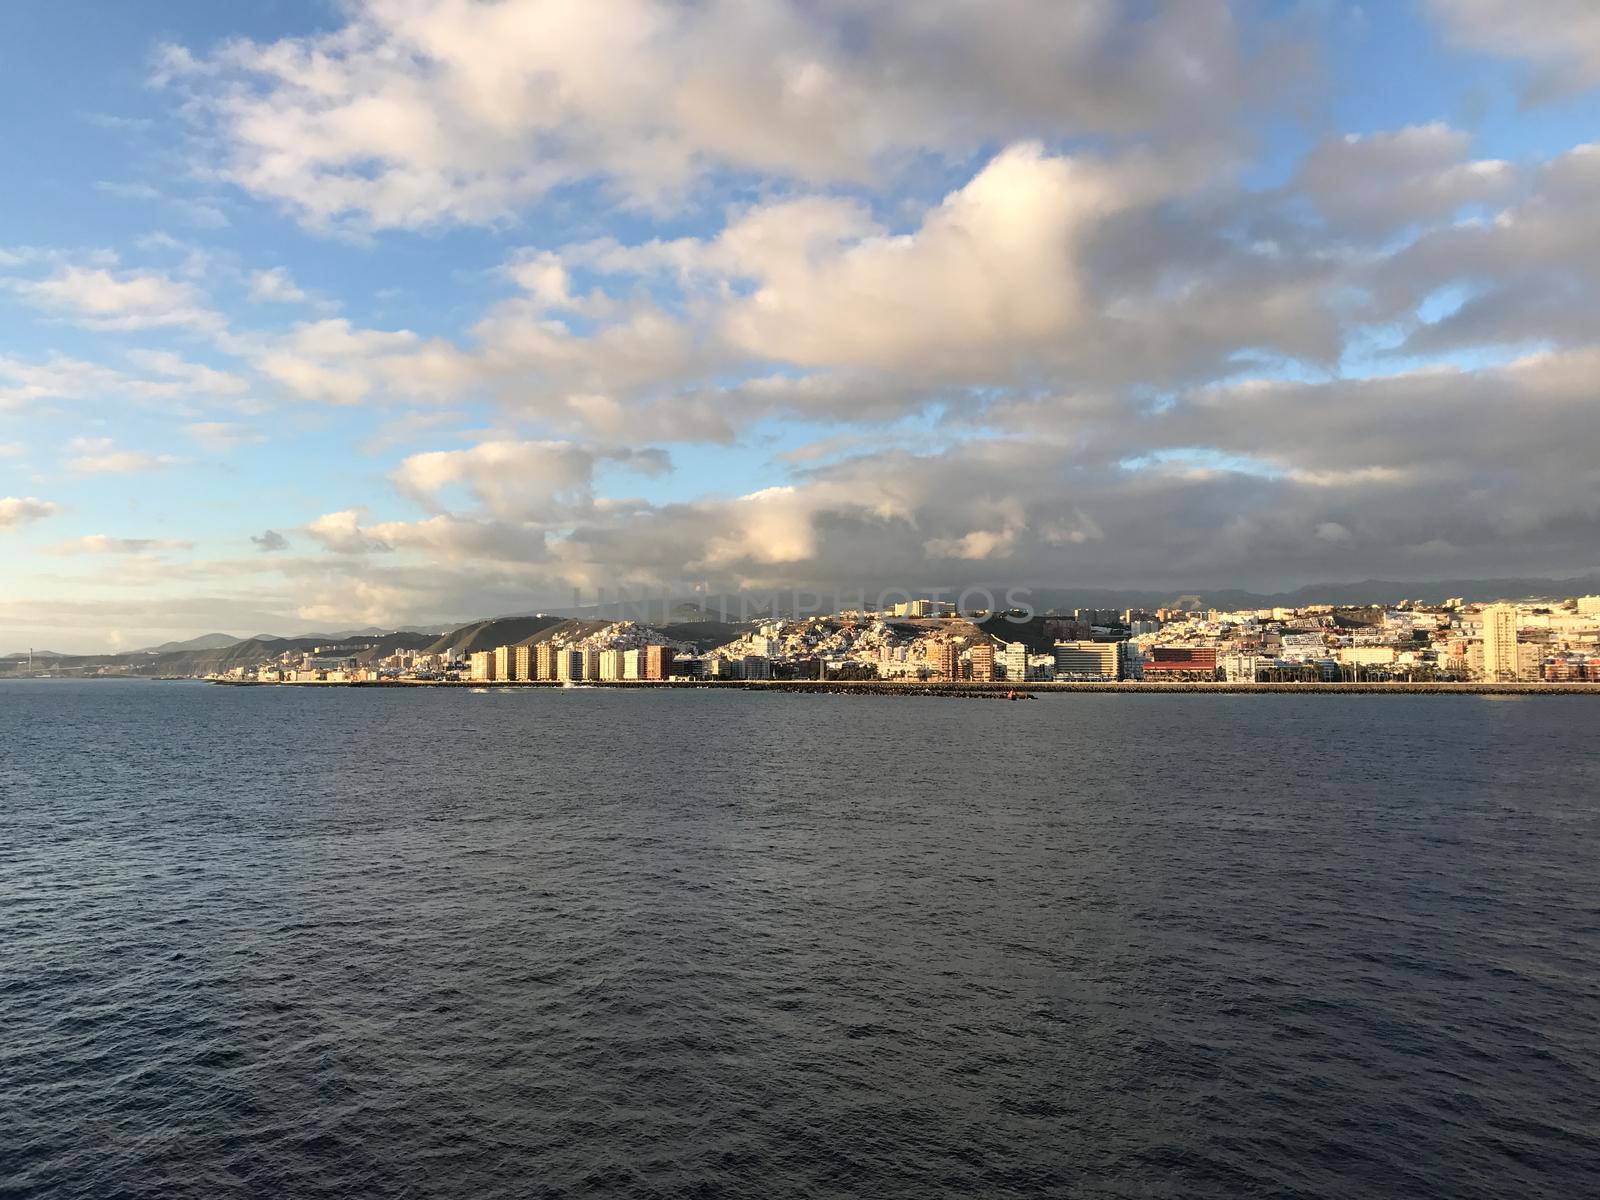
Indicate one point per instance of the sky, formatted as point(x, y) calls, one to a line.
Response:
point(322, 315)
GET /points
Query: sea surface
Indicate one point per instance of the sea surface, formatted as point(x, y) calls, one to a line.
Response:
point(298, 942)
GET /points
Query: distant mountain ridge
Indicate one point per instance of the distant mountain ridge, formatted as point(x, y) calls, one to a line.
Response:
point(206, 641)
point(527, 631)
point(247, 652)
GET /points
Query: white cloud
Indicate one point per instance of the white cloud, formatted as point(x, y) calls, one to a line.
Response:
point(16, 511)
point(165, 376)
point(363, 601)
point(449, 110)
point(994, 271)
point(100, 456)
point(341, 533)
point(100, 298)
point(1529, 275)
point(332, 361)
point(99, 543)
point(276, 286)
point(1041, 267)
point(1382, 181)
point(222, 436)
point(127, 190)
point(1560, 37)
point(24, 384)
point(177, 376)
point(523, 479)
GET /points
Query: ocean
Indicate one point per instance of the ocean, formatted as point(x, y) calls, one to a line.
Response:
point(311, 942)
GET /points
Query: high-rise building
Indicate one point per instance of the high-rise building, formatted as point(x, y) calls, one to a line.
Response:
point(504, 662)
point(1016, 662)
point(1500, 642)
point(1132, 660)
point(981, 659)
point(756, 666)
point(1589, 606)
point(591, 663)
point(1087, 658)
point(658, 662)
point(942, 658)
point(633, 664)
point(569, 665)
point(544, 661)
point(610, 665)
point(482, 666)
point(522, 663)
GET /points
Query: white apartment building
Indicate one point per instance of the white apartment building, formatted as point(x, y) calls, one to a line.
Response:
point(1500, 643)
point(1101, 659)
point(1241, 668)
point(1016, 660)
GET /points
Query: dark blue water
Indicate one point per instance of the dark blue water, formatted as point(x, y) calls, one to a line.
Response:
point(296, 942)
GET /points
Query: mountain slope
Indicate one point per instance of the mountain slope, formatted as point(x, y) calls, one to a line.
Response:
point(496, 631)
point(206, 641)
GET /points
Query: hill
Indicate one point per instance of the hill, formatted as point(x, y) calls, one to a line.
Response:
point(246, 653)
point(1039, 633)
point(496, 631)
point(206, 641)
point(702, 635)
point(529, 631)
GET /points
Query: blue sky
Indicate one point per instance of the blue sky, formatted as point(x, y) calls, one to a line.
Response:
point(320, 315)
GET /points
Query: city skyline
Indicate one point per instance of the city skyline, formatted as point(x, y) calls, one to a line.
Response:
point(1407, 644)
point(382, 314)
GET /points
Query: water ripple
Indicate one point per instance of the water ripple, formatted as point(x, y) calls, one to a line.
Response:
point(329, 943)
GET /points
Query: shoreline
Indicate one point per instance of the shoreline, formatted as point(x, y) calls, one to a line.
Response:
point(972, 690)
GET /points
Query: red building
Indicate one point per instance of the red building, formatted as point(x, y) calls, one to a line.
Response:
point(1187, 660)
point(658, 662)
point(982, 665)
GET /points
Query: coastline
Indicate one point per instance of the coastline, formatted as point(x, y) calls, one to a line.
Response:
point(975, 690)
